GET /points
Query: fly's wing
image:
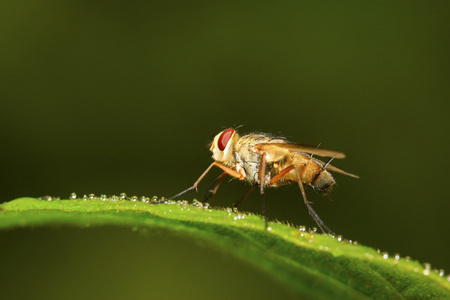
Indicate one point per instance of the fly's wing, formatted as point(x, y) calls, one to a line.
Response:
point(277, 146)
point(273, 150)
point(337, 170)
point(278, 149)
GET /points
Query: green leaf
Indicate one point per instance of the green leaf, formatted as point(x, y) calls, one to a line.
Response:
point(314, 266)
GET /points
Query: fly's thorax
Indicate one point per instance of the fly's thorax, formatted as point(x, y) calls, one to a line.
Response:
point(247, 162)
point(248, 158)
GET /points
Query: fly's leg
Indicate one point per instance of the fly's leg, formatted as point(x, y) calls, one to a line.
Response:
point(209, 193)
point(226, 169)
point(311, 211)
point(279, 175)
point(243, 197)
point(262, 175)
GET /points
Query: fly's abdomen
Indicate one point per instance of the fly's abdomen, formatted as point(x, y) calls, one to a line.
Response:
point(314, 175)
point(323, 181)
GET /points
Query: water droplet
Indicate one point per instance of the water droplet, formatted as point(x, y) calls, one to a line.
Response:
point(103, 197)
point(85, 197)
point(115, 198)
point(378, 251)
point(123, 196)
point(91, 196)
point(312, 231)
point(73, 196)
point(145, 199)
point(339, 238)
point(385, 255)
point(396, 257)
point(154, 198)
point(134, 198)
point(302, 228)
point(407, 258)
point(427, 268)
point(441, 272)
point(269, 228)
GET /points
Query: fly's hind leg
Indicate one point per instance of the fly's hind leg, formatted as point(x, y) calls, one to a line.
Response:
point(311, 211)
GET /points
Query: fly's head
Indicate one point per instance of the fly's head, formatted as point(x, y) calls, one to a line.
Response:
point(222, 146)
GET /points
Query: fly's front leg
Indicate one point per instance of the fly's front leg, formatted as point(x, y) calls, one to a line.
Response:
point(226, 169)
point(209, 193)
point(243, 197)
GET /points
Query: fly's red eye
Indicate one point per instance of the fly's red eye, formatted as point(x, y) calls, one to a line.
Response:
point(224, 138)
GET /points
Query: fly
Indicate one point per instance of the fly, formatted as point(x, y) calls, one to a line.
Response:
point(266, 161)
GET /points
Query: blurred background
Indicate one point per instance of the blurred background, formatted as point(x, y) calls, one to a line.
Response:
point(107, 97)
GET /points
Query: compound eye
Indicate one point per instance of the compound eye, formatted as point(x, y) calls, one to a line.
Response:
point(224, 138)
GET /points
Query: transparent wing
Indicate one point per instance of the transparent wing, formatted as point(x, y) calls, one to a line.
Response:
point(337, 170)
point(267, 147)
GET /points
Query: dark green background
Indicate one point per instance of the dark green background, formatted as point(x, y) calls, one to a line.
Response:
point(110, 97)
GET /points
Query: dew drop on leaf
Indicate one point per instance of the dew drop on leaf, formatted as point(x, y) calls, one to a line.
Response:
point(427, 268)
